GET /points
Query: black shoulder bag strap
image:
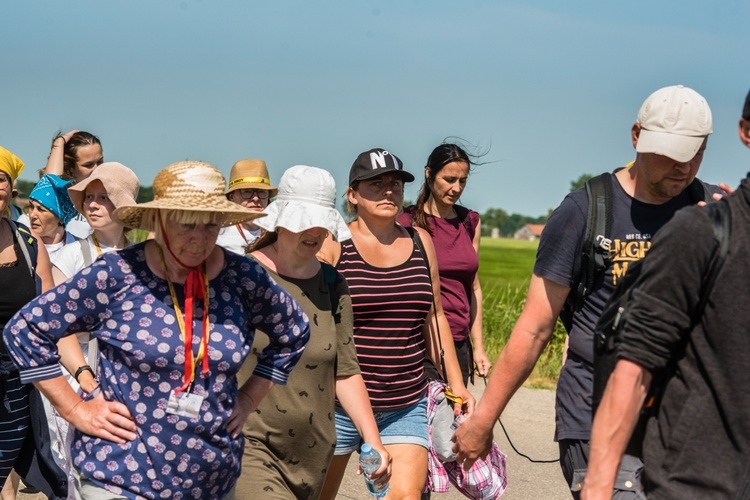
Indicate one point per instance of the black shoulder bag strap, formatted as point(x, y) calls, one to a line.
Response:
point(331, 276)
point(418, 243)
point(698, 191)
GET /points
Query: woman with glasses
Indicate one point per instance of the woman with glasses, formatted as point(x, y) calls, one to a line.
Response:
point(249, 186)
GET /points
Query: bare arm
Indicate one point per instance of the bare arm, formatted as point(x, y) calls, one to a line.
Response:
point(613, 425)
point(71, 358)
point(437, 323)
point(71, 355)
point(97, 417)
point(43, 267)
point(330, 251)
point(249, 397)
point(58, 276)
point(530, 336)
point(352, 395)
point(55, 161)
point(477, 339)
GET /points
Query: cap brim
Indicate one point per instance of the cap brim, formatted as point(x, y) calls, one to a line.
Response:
point(405, 176)
point(299, 216)
point(681, 148)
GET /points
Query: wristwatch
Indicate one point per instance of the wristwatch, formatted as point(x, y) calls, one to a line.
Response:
point(84, 368)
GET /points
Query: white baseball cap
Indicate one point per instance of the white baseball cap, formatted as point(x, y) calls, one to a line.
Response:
point(674, 122)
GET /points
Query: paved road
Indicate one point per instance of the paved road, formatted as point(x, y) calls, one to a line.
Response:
point(530, 422)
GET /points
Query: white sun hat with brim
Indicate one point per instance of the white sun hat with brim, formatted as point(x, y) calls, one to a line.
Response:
point(192, 186)
point(306, 199)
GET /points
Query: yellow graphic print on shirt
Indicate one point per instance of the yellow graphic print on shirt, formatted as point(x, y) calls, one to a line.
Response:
point(623, 252)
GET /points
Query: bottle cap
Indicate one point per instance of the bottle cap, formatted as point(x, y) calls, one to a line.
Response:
point(366, 448)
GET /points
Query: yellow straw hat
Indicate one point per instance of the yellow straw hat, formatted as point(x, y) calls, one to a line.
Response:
point(192, 186)
point(250, 174)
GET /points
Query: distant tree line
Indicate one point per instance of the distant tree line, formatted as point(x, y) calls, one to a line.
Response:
point(508, 224)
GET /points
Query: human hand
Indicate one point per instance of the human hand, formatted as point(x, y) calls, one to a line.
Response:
point(242, 409)
point(67, 135)
point(104, 419)
point(467, 402)
point(589, 492)
point(482, 362)
point(383, 474)
point(717, 196)
point(471, 442)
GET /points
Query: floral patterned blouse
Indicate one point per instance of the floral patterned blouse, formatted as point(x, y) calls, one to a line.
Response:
point(129, 310)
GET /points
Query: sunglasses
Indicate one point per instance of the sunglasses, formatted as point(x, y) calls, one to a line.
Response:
point(249, 194)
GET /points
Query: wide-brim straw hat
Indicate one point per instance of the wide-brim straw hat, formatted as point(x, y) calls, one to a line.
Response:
point(192, 186)
point(119, 181)
point(306, 199)
point(250, 174)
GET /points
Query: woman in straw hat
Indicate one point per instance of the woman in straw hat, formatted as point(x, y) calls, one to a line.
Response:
point(249, 186)
point(175, 317)
point(398, 317)
point(289, 441)
point(24, 273)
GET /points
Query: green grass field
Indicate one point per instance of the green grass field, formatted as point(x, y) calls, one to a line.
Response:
point(505, 267)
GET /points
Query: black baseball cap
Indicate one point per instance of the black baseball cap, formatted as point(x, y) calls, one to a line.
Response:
point(377, 162)
point(746, 109)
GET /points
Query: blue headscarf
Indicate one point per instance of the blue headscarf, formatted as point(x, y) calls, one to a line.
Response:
point(52, 192)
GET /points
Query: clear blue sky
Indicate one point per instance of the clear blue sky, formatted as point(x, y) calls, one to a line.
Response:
point(551, 88)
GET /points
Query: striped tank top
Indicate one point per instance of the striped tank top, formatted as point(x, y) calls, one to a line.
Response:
point(390, 308)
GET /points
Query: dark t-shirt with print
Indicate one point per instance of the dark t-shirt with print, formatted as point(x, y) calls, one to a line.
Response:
point(558, 259)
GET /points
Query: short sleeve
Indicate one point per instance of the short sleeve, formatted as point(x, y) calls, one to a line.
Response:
point(346, 354)
point(558, 255)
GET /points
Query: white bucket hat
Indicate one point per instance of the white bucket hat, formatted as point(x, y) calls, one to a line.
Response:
point(306, 199)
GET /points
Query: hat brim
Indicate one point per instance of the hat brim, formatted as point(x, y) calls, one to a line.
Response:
point(405, 176)
point(253, 185)
point(297, 216)
point(681, 148)
point(132, 215)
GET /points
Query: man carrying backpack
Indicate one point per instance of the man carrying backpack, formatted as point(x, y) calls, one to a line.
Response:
point(698, 446)
point(669, 137)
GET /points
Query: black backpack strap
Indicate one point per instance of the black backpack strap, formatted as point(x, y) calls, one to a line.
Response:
point(699, 191)
point(28, 245)
point(331, 278)
point(595, 252)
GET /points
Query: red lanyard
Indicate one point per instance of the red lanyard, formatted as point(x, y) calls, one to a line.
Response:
point(196, 287)
point(242, 233)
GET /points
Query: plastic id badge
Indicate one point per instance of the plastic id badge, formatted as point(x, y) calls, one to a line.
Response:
point(185, 404)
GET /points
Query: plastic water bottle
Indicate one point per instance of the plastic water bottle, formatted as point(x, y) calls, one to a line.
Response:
point(369, 460)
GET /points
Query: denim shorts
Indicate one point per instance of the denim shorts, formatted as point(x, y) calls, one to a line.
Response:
point(404, 426)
